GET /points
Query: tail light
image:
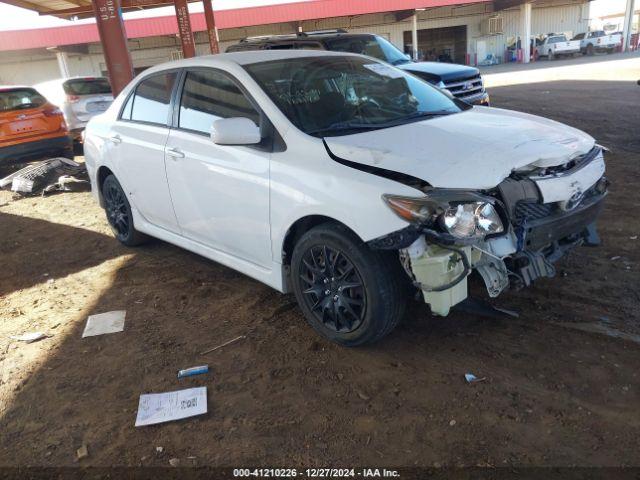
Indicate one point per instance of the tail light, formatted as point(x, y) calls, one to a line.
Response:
point(73, 98)
point(52, 111)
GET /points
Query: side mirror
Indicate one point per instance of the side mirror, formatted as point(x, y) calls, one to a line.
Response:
point(235, 131)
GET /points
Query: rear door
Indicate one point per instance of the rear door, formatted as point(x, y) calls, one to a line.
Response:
point(136, 145)
point(88, 96)
point(220, 192)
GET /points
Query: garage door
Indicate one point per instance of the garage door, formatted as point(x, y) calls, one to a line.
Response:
point(447, 44)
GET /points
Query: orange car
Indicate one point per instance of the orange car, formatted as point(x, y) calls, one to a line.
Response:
point(30, 127)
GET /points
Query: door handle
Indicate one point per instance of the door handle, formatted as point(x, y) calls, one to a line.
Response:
point(175, 153)
point(116, 139)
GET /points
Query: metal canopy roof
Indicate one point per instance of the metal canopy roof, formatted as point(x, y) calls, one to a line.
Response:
point(302, 10)
point(167, 25)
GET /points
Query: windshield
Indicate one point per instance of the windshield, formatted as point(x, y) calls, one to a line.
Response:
point(87, 86)
point(19, 99)
point(373, 46)
point(328, 96)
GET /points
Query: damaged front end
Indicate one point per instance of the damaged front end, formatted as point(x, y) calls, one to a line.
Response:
point(511, 234)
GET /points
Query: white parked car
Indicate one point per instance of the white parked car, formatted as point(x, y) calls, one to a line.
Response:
point(343, 179)
point(554, 46)
point(79, 98)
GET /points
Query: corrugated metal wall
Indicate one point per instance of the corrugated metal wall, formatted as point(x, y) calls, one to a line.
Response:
point(570, 16)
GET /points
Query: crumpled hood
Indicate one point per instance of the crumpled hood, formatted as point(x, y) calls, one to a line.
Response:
point(475, 149)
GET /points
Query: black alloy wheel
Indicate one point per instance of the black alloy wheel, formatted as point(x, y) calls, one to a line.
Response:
point(349, 293)
point(334, 289)
point(119, 214)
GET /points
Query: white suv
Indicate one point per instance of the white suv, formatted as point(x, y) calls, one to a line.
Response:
point(79, 98)
point(343, 179)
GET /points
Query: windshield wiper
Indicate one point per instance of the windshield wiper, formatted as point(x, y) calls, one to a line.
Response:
point(346, 126)
point(411, 116)
point(342, 126)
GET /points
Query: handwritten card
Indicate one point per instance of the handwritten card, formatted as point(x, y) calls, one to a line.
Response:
point(165, 407)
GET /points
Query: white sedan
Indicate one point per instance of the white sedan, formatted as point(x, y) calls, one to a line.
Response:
point(344, 180)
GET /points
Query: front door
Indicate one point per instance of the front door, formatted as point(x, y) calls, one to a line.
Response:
point(220, 192)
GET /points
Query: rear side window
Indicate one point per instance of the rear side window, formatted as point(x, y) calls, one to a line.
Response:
point(20, 99)
point(152, 99)
point(209, 95)
point(87, 86)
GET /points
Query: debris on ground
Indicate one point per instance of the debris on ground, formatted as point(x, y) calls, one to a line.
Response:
point(174, 462)
point(471, 378)
point(68, 183)
point(165, 407)
point(190, 372)
point(223, 344)
point(54, 174)
point(82, 452)
point(101, 323)
point(29, 337)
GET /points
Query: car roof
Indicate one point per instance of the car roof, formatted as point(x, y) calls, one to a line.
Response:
point(247, 57)
point(13, 87)
point(301, 37)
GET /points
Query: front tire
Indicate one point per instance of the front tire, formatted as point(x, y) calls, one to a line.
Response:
point(550, 56)
point(348, 293)
point(119, 216)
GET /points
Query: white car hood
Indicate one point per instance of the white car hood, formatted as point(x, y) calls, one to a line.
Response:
point(475, 149)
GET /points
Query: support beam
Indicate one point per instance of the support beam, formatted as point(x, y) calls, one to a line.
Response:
point(184, 29)
point(414, 36)
point(113, 38)
point(63, 64)
point(212, 31)
point(628, 26)
point(525, 31)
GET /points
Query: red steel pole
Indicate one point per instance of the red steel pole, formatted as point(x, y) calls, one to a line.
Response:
point(113, 38)
point(184, 29)
point(211, 26)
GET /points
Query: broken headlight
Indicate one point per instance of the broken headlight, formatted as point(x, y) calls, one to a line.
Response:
point(463, 215)
point(468, 220)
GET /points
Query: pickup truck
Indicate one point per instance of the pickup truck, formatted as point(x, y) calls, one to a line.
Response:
point(556, 45)
point(598, 41)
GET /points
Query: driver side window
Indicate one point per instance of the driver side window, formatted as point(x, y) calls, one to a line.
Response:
point(209, 95)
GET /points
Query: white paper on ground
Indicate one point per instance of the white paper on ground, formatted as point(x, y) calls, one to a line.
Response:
point(29, 337)
point(109, 322)
point(165, 407)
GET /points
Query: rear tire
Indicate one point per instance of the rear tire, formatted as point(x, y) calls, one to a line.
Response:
point(590, 50)
point(119, 214)
point(349, 293)
point(550, 56)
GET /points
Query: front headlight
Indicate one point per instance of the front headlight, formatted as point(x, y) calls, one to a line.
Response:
point(467, 220)
point(460, 216)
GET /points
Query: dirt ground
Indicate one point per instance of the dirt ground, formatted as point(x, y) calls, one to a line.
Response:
point(554, 395)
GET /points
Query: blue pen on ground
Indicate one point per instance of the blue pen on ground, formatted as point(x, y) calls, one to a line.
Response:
point(189, 372)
